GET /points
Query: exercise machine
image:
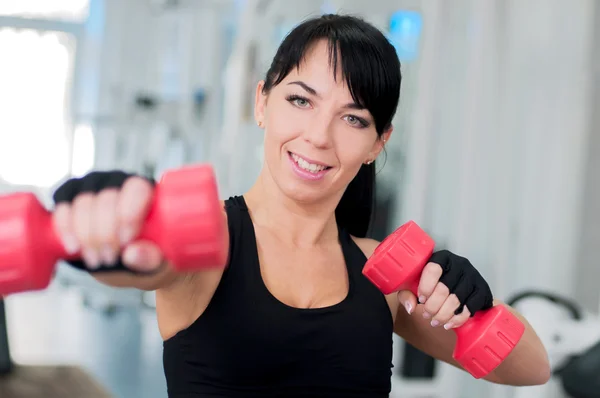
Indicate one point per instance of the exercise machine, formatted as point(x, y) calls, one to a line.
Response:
point(5, 360)
point(572, 339)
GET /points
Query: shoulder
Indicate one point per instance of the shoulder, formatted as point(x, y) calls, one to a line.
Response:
point(366, 245)
point(180, 303)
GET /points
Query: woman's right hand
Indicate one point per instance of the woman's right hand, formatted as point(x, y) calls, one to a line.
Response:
point(100, 214)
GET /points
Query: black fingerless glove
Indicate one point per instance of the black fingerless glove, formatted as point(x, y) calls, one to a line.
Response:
point(462, 279)
point(94, 182)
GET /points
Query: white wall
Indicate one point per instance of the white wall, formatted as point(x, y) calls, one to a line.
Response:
point(169, 54)
point(499, 138)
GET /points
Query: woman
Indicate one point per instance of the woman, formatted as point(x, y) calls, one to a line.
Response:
point(291, 313)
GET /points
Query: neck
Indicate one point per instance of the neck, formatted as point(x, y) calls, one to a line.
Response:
point(296, 223)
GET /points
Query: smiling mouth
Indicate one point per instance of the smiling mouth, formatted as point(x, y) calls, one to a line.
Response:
point(306, 165)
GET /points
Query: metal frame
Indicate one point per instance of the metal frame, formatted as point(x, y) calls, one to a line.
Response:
point(41, 24)
point(5, 359)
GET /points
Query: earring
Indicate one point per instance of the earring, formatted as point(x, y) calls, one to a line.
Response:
point(368, 162)
point(259, 123)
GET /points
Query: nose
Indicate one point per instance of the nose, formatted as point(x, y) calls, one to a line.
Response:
point(318, 132)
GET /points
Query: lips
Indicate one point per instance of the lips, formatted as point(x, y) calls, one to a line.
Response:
point(307, 170)
point(307, 163)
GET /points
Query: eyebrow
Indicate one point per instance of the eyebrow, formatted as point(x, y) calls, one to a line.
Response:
point(310, 90)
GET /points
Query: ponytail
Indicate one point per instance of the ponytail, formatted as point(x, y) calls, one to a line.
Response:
point(355, 210)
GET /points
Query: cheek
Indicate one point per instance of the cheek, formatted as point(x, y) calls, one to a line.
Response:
point(353, 149)
point(283, 124)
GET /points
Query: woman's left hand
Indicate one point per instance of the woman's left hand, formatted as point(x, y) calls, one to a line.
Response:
point(451, 290)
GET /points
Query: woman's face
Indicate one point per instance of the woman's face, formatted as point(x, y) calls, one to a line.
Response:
point(316, 137)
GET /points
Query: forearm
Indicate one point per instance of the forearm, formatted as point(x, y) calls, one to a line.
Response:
point(526, 365)
point(164, 277)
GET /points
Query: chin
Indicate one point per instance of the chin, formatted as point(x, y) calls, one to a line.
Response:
point(302, 194)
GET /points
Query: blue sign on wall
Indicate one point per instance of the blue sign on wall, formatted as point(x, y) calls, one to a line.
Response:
point(405, 33)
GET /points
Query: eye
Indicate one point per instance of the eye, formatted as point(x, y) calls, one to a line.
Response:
point(356, 121)
point(299, 101)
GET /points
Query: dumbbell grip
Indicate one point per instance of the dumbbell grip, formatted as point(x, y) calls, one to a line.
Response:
point(412, 285)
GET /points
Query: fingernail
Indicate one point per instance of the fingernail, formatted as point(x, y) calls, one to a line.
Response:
point(108, 255)
point(91, 258)
point(448, 326)
point(426, 315)
point(434, 323)
point(70, 243)
point(125, 235)
point(422, 299)
point(408, 307)
point(131, 256)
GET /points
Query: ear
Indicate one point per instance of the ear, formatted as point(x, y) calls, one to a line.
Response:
point(380, 143)
point(260, 102)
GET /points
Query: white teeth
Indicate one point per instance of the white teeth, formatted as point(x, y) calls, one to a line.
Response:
point(313, 168)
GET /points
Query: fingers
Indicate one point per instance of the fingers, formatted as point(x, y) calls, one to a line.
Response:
point(64, 228)
point(99, 225)
point(447, 312)
point(82, 217)
point(408, 300)
point(457, 320)
point(439, 304)
point(436, 300)
point(105, 231)
point(134, 202)
point(429, 280)
point(441, 308)
point(142, 256)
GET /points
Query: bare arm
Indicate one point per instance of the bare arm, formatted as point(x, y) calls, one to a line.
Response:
point(166, 276)
point(180, 297)
point(526, 365)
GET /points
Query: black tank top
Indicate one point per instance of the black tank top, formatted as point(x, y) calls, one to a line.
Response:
point(247, 343)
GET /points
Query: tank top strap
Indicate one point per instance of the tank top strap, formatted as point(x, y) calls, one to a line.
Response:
point(355, 262)
point(242, 243)
point(236, 202)
point(355, 258)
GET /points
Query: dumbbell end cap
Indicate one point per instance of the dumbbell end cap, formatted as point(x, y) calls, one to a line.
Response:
point(399, 258)
point(487, 339)
point(28, 245)
point(189, 218)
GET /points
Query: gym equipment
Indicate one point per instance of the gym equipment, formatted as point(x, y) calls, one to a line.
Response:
point(185, 221)
point(571, 337)
point(6, 364)
point(484, 341)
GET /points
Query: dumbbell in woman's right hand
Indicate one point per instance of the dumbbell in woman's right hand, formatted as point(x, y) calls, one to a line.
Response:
point(183, 223)
point(100, 214)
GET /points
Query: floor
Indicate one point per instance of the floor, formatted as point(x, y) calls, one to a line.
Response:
point(50, 382)
point(69, 324)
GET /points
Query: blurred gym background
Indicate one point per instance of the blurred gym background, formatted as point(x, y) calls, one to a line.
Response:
point(494, 153)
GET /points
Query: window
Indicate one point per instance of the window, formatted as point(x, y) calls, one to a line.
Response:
point(64, 10)
point(405, 33)
point(83, 150)
point(35, 75)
